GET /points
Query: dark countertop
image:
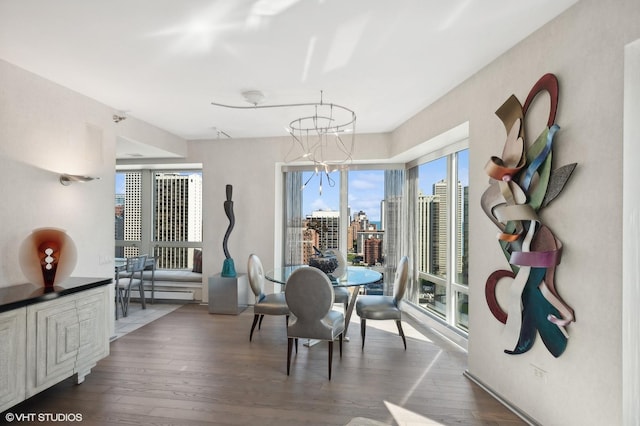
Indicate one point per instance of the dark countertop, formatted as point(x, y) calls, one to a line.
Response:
point(20, 295)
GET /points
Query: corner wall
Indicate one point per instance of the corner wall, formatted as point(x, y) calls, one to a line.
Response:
point(584, 48)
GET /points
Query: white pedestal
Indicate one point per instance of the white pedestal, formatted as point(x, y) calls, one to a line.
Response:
point(228, 295)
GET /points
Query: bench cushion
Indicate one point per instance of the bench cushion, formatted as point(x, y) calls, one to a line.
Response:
point(175, 275)
point(182, 275)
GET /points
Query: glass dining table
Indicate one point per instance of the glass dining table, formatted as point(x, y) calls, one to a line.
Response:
point(354, 278)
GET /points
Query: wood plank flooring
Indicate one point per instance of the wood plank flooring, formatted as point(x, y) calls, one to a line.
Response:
point(194, 368)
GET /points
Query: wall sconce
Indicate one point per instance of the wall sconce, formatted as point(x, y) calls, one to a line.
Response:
point(67, 179)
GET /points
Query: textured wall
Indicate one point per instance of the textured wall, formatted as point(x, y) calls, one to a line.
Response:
point(584, 47)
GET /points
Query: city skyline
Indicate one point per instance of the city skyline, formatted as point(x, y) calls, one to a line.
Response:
point(366, 187)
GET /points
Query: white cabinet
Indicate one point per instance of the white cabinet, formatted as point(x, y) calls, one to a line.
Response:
point(65, 336)
point(46, 342)
point(13, 338)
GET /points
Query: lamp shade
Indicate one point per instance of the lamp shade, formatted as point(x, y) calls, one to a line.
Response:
point(47, 256)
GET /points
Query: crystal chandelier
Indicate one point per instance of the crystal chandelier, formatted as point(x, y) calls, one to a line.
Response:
point(325, 136)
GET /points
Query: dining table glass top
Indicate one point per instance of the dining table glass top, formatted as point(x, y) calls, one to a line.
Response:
point(354, 275)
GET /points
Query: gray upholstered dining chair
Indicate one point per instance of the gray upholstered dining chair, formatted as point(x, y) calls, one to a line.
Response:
point(265, 304)
point(309, 294)
point(341, 294)
point(385, 307)
point(135, 265)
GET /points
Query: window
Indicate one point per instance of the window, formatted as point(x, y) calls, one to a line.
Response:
point(313, 215)
point(160, 213)
point(441, 242)
point(356, 213)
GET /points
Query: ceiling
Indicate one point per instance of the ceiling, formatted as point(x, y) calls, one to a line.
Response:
point(165, 61)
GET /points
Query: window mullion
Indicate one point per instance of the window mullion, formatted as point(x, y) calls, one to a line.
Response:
point(451, 193)
point(146, 212)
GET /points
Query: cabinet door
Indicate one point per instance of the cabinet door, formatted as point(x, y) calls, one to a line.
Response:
point(12, 357)
point(53, 330)
point(93, 330)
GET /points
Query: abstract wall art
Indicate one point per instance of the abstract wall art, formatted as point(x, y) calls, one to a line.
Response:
point(522, 183)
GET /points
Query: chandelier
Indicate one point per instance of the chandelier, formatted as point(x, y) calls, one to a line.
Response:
point(324, 136)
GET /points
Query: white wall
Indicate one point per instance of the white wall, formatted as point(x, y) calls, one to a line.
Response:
point(46, 130)
point(584, 47)
point(631, 239)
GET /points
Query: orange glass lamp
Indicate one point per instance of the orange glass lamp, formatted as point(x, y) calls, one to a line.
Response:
point(47, 256)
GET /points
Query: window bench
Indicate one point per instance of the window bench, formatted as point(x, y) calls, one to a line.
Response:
point(170, 284)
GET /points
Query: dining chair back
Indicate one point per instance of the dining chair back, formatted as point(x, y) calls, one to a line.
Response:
point(309, 295)
point(265, 304)
point(385, 307)
point(135, 267)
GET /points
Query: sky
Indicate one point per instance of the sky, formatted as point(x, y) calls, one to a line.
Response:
point(366, 187)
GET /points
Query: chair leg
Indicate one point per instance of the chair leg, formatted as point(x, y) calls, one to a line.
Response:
point(363, 327)
point(127, 302)
point(142, 296)
point(255, 321)
point(341, 334)
point(296, 345)
point(404, 340)
point(289, 345)
point(123, 308)
point(260, 323)
point(330, 356)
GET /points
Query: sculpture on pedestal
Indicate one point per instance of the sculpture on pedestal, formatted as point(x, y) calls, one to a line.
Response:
point(228, 267)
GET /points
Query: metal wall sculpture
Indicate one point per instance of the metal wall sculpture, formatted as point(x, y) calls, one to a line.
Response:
point(522, 183)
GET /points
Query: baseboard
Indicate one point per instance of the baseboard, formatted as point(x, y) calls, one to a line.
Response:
point(515, 410)
point(165, 295)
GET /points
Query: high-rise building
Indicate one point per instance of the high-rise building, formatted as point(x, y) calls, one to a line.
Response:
point(363, 220)
point(363, 236)
point(322, 230)
point(177, 216)
point(440, 218)
point(425, 238)
point(132, 212)
point(352, 235)
point(373, 251)
point(432, 230)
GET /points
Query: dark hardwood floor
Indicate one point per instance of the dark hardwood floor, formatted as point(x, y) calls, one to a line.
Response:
point(193, 368)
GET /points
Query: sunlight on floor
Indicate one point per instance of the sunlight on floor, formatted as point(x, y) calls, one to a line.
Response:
point(138, 317)
point(408, 418)
point(390, 327)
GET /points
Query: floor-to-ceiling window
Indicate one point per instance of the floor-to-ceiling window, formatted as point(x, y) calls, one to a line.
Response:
point(418, 209)
point(440, 221)
point(159, 213)
point(357, 211)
